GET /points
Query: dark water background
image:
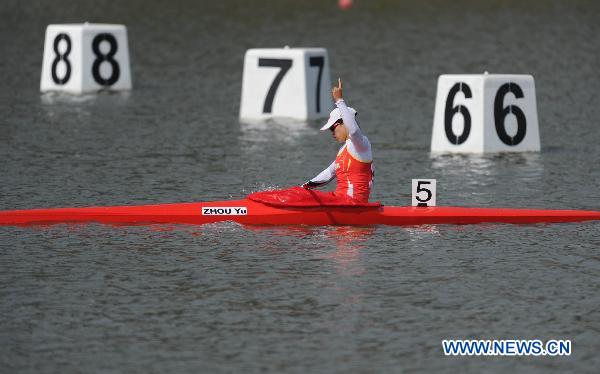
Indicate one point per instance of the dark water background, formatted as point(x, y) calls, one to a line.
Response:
point(224, 298)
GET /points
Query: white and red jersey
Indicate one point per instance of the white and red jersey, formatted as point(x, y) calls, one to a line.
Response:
point(353, 166)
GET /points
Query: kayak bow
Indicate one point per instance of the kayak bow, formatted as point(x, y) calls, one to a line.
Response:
point(248, 212)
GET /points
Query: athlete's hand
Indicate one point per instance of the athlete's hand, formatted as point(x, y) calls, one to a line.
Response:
point(309, 185)
point(336, 92)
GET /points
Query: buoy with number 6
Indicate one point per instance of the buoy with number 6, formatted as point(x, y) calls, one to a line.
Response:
point(85, 58)
point(481, 113)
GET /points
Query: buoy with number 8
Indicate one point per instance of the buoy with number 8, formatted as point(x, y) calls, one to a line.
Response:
point(84, 58)
point(481, 113)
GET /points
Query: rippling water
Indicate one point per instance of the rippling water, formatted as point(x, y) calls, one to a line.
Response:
point(225, 298)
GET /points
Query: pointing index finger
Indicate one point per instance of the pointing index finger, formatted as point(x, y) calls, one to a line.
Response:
point(339, 83)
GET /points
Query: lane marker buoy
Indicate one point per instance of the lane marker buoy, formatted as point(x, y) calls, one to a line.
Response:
point(84, 58)
point(481, 113)
point(286, 82)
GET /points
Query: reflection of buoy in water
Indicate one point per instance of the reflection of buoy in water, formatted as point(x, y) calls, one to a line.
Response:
point(345, 4)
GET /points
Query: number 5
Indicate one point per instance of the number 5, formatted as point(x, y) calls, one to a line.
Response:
point(419, 190)
point(423, 192)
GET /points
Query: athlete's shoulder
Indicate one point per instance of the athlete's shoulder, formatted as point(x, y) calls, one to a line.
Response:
point(363, 153)
point(361, 141)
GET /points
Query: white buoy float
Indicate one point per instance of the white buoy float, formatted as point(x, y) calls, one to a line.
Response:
point(481, 113)
point(85, 58)
point(424, 192)
point(286, 82)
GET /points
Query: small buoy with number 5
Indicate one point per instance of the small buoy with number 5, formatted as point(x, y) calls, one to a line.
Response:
point(423, 192)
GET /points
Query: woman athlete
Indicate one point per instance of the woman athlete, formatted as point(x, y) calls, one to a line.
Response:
point(352, 168)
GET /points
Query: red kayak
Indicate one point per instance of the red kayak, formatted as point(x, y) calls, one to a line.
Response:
point(249, 212)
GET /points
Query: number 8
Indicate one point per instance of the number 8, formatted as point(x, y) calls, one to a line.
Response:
point(100, 58)
point(61, 57)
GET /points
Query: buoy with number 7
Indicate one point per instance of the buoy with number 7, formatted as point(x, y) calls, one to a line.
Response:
point(483, 113)
point(286, 82)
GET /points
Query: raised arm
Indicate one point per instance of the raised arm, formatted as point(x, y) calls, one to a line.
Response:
point(355, 133)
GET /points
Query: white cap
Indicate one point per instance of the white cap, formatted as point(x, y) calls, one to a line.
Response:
point(335, 116)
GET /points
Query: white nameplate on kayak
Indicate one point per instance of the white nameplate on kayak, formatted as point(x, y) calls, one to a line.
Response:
point(423, 192)
point(85, 57)
point(483, 113)
point(286, 82)
point(225, 211)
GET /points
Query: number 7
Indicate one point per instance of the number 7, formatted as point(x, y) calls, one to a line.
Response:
point(284, 65)
point(318, 61)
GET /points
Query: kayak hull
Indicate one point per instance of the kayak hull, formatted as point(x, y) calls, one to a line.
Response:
point(248, 212)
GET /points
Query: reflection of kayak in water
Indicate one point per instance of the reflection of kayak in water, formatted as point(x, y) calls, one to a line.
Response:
point(250, 212)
